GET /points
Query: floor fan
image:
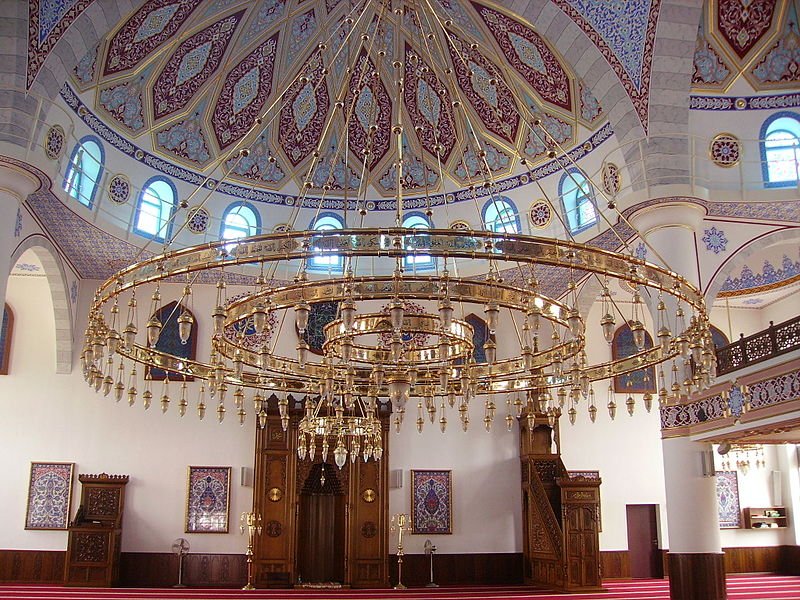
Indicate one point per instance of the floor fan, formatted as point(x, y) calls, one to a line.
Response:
point(180, 547)
point(429, 550)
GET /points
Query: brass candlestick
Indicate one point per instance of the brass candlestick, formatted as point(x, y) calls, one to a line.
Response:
point(251, 523)
point(400, 523)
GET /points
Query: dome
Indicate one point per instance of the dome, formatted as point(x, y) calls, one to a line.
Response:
point(324, 95)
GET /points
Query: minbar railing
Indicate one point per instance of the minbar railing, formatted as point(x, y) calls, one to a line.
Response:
point(769, 343)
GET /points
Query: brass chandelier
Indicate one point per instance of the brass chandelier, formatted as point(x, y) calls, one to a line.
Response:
point(376, 351)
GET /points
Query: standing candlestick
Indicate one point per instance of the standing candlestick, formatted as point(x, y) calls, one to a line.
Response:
point(251, 523)
point(400, 523)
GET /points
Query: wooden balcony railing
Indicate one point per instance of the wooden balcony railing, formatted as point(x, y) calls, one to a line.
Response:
point(769, 343)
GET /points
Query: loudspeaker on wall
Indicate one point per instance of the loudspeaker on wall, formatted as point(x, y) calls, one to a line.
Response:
point(395, 479)
point(777, 490)
point(707, 461)
point(246, 477)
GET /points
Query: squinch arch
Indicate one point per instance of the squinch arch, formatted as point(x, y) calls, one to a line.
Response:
point(56, 278)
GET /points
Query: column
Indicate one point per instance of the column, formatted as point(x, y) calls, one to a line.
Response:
point(695, 560)
point(15, 186)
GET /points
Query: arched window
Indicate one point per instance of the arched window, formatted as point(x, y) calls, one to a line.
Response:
point(169, 340)
point(325, 258)
point(501, 216)
point(5, 339)
point(635, 382)
point(417, 262)
point(84, 170)
point(240, 220)
point(577, 200)
point(780, 150)
point(154, 209)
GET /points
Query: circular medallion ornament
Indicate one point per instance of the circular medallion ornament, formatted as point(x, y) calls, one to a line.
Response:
point(460, 226)
point(54, 142)
point(725, 150)
point(275, 494)
point(282, 228)
point(273, 528)
point(369, 529)
point(369, 495)
point(740, 103)
point(119, 189)
point(541, 214)
point(612, 180)
point(197, 219)
point(139, 154)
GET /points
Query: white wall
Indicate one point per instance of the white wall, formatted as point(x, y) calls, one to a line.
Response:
point(48, 417)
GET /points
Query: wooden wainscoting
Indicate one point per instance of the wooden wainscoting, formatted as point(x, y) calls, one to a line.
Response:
point(459, 569)
point(758, 559)
point(614, 564)
point(32, 566)
point(160, 569)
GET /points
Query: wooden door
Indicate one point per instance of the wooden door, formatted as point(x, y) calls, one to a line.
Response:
point(321, 527)
point(643, 553)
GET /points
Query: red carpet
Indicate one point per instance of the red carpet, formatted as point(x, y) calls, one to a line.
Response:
point(740, 587)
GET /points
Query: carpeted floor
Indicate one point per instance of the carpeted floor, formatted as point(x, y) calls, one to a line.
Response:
point(740, 587)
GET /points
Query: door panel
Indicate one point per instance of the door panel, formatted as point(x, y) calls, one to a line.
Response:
point(644, 555)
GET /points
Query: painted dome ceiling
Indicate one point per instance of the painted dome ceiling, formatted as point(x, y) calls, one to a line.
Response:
point(754, 39)
point(311, 89)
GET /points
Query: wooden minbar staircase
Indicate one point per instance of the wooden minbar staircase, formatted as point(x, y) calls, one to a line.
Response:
point(560, 512)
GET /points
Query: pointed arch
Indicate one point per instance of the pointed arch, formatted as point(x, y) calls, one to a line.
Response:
point(53, 267)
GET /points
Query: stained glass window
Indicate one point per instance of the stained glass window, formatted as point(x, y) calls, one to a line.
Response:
point(635, 382)
point(417, 262)
point(240, 220)
point(501, 216)
point(154, 209)
point(170, 341)
point(85, 170)
point(321, 314)
point(326, 259)
point(780, 150)
point(577, 200)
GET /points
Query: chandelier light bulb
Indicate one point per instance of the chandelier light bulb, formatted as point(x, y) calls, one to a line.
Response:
point(185, 322)
point(491, 351)
point(218, 316)
point(108, 384)
point(129, 335)
point(592, 413)
point(647, 398)
point(302, 353)
point(260, 318)
point(301, 312)
point(607, 323)
point(637, 328)
point(612, 409)
point(534, 316)
point(630, 403)
point(348, 313)
point(492, 312)
point(147, 398)
point(396, 313)
point(575, 322)
point(446, 314)
point(112, 341)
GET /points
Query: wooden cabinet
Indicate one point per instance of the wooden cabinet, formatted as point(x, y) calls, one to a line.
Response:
point(770, 517)
point(95, 536)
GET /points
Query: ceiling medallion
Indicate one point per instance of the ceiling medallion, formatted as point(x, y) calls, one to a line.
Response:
point(54, 142)
point(541, 214)
point(197, 219)
point(119, 189)
point(725, 150)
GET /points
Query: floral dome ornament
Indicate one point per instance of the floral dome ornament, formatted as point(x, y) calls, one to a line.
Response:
point(119, 189)
point(715, 240)
point(725, 150)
